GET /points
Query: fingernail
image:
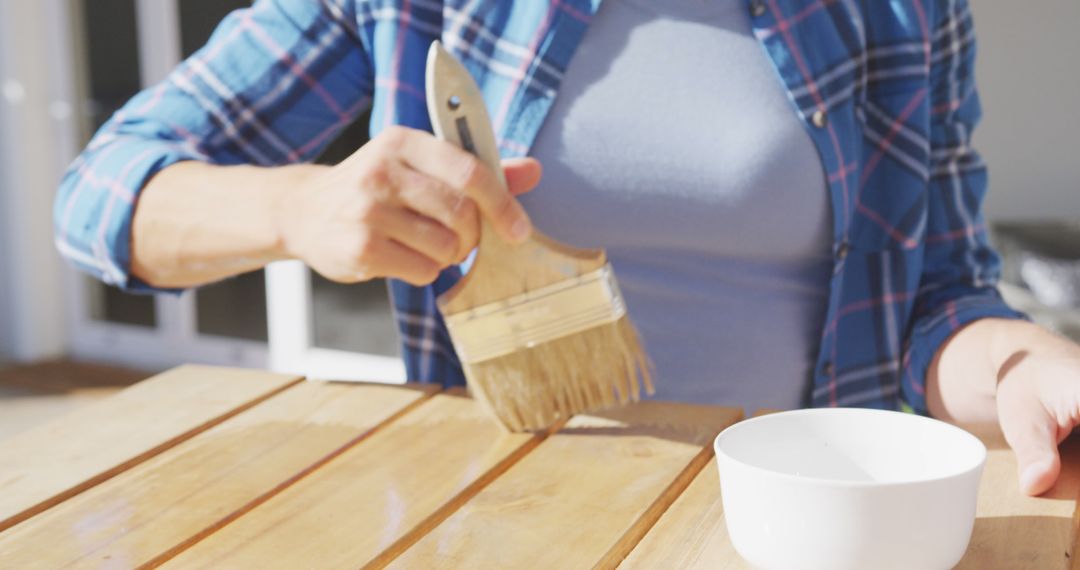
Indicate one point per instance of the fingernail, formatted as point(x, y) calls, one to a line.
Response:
point(1031, 475)
point(521, 229)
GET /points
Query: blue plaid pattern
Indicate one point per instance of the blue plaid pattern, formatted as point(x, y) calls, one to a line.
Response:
point(884, 88)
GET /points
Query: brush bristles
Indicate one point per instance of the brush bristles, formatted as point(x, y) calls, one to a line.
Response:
point(532, 388)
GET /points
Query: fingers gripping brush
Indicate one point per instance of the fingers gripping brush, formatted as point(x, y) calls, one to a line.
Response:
point(541, 327)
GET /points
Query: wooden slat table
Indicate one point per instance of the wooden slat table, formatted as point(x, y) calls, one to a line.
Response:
point(217, 468)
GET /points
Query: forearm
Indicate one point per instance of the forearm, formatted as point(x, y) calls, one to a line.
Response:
point(197, 223)
point(962, 382)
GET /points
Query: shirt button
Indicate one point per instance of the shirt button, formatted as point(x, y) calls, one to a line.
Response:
point(842, 250)
point(819, 118)
point(757, 8)
point(827, 369)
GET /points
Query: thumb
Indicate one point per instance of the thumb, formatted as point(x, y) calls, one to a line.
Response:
point(522, 174)
point(1033, 435)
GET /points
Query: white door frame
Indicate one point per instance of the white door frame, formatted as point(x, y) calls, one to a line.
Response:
point(292, 346)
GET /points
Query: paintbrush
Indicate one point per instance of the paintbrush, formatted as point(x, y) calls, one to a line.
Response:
point(541, 328)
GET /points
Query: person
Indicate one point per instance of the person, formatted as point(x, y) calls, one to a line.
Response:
point(787, 190)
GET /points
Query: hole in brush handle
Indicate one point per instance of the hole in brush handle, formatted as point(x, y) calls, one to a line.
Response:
point(464, 135)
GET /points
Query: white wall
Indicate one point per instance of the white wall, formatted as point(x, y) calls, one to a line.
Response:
point(7, 331)
point(31, 307)
point(1029, 78)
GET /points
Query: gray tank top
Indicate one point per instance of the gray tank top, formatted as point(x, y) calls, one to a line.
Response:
point(672, 145)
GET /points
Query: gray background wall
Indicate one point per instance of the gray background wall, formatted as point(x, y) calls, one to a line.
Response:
point(7, 333)
point(1029, 77)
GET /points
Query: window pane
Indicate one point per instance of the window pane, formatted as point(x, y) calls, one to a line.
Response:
point(351, 138)
point(356, 318)
point(198, 18)
point(112, 77)
point(107, 303)
point(112, 57)
point(234, 308)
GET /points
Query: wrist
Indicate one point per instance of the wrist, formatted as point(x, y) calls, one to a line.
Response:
point(290, 185)
point(1012, 337)
point(1015, 340)
point(1004, 341)
point(965, 378)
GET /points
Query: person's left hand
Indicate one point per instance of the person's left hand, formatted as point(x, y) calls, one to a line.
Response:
point(1038, 401)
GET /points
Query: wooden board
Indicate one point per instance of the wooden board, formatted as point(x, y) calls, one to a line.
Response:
point(692, 533)
point(377, 497)
point(46, 465)
point(278, 474)
point(1016, 531)
point(586, 494)
point(191, 490)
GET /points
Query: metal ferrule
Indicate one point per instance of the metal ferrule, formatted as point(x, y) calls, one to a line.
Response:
point(538, 316)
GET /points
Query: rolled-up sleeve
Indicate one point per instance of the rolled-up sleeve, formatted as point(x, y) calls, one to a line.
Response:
point(961, 269)
point(274, 85)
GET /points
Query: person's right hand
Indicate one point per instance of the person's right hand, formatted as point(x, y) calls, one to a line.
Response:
point(405, 205)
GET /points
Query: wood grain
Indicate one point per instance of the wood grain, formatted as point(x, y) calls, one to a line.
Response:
point(374, 498)
point(142, 515)
point(693, 532)
point(46, 465)
point(584, 497)
point(218, 468)
point(1013, 530)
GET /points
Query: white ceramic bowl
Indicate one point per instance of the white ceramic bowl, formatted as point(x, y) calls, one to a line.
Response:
point(849, 488)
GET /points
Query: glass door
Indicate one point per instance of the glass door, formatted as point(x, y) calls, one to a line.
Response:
point(286, 318)
point(120, 46)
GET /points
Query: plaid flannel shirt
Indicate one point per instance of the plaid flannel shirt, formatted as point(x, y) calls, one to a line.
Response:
point(884, 88)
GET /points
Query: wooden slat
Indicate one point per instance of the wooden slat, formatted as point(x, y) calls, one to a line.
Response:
point(46, 465)
point(372, 499)
point(585, 496)
point(1016, 531)
point(691, 534)
point(191, 490)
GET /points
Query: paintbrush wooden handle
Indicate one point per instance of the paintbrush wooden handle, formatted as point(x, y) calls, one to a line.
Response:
point(458, 115)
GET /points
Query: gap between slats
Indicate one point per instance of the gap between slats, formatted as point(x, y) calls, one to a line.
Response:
point(611, 559)
point(279, 488)
point(641, 527)
point(139, 459)
point(1074, 539)
point(456, 502)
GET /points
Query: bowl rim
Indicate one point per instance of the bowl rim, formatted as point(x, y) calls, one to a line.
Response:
point(829, 482)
